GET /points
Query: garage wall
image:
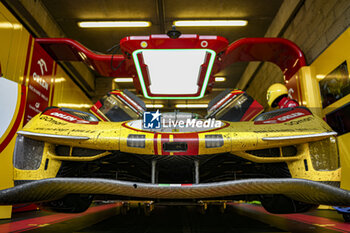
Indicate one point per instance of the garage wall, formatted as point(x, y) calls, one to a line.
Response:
point(16, 50)
point(67, 94)
point(315, 26)
point(29, 67)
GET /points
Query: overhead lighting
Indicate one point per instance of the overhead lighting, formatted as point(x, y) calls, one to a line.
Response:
point(123, 80)
point(59, 80)
point(191, 105)
point(154, 105)
point(220, 79)
point(209, 23)
point(113, 24)
point(320, 76)
point(67, 105)
point(7, 25)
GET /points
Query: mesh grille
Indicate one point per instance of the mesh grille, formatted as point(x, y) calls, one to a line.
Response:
point(28, 153)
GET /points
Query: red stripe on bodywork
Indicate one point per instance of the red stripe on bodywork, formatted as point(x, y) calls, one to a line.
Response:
point(155, 144)
point(192, 143)
point(164, 138)
point(17, 121)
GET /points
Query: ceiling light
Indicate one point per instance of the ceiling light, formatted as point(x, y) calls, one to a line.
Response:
point(59, 80)
point(320, 76)
point(154, 105)
point(67, 105)
point(113, 24)
point(191, 105)
point(220, 79)
point(123, 80)
point(208, 23)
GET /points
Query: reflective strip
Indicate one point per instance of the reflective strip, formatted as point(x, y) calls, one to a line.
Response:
point(326, 134)
point(26, 133)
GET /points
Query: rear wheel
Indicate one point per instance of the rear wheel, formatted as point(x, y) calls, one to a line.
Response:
point(280, 204)
point(72, 203)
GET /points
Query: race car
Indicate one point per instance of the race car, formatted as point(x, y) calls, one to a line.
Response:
point(285, 158)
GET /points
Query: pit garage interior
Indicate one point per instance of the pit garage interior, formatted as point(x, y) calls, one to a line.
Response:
point(40, 70)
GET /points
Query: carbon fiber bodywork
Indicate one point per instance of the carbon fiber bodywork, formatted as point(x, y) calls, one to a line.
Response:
point(56, 188)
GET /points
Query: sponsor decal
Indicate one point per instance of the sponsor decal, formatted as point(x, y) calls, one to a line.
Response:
point(69, 118)
point(63, 116)
point(39, 82)
point(285, 117)
point(290, 116)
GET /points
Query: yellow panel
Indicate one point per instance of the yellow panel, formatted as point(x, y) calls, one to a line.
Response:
point(14, 43)
point(68, 94)
point(310, 91)
point(344, 151)
point(331, 58)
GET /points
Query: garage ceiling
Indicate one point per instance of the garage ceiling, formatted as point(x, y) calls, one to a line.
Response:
point(162, 13)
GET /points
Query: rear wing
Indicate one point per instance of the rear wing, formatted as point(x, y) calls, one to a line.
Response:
point(282, 52)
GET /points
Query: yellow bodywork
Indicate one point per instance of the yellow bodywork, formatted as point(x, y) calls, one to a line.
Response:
point(309, 78)
point(239, 138)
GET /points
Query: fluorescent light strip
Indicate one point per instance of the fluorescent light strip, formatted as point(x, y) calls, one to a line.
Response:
point(154, 105)
point(191, 105)
point(68, 105)
point(113, 24)
point(123, 80)
point(220, 79)
point(210, 23)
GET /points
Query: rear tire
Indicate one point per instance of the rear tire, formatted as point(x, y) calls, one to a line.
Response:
point(280, 204)
point(72, 203)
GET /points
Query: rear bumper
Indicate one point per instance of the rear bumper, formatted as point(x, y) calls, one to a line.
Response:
point(56, 188)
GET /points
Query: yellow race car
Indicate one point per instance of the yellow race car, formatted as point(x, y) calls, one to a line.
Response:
point(285, 158)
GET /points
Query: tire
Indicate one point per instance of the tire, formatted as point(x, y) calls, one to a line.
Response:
point(280, 204)
point(72, 203)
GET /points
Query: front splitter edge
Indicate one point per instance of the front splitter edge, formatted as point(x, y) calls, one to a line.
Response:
point(55, 188)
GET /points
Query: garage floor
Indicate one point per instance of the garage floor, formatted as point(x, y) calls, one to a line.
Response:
point(237, 218)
